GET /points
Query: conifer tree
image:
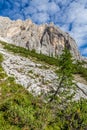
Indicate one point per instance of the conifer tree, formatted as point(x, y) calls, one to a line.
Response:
point(66, 86)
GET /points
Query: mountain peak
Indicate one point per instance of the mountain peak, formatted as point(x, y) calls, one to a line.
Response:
point(46, 38)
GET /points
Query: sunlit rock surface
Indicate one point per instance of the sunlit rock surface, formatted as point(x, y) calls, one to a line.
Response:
point(46, 38)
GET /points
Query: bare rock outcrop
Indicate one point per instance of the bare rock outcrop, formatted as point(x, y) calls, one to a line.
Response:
point(37, 78)
point(46, 39)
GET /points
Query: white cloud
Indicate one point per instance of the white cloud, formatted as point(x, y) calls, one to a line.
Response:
point(53, 8)
point(42, 7)
point(29, 10)
point(38, 2)
point(40, 17)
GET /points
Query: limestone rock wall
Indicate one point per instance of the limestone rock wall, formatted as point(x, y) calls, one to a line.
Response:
point(46, 39)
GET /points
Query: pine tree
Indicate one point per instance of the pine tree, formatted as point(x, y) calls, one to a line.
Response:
point(65, 89)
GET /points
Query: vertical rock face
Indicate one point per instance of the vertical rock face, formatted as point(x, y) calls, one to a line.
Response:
point(46, 39)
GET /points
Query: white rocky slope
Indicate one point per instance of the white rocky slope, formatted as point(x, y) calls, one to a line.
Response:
point(35, 77)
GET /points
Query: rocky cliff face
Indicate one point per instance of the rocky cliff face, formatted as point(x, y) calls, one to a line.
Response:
point(46, 39)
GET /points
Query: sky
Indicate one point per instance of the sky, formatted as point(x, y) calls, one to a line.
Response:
point(69, 15)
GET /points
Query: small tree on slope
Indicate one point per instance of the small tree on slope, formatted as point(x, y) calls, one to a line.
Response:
point(65, 89)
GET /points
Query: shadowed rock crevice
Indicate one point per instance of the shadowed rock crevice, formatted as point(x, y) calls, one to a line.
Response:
point(55, 39)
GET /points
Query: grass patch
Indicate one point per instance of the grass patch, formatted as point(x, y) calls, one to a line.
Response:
point(27, 53)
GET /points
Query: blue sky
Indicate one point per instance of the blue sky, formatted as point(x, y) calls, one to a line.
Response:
point(70, 15)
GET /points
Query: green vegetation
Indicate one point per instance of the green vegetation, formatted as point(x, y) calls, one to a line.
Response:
point(27, 53)
point(80, 69)
point(72, 117)
point(65, 77)
point(20, 110)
